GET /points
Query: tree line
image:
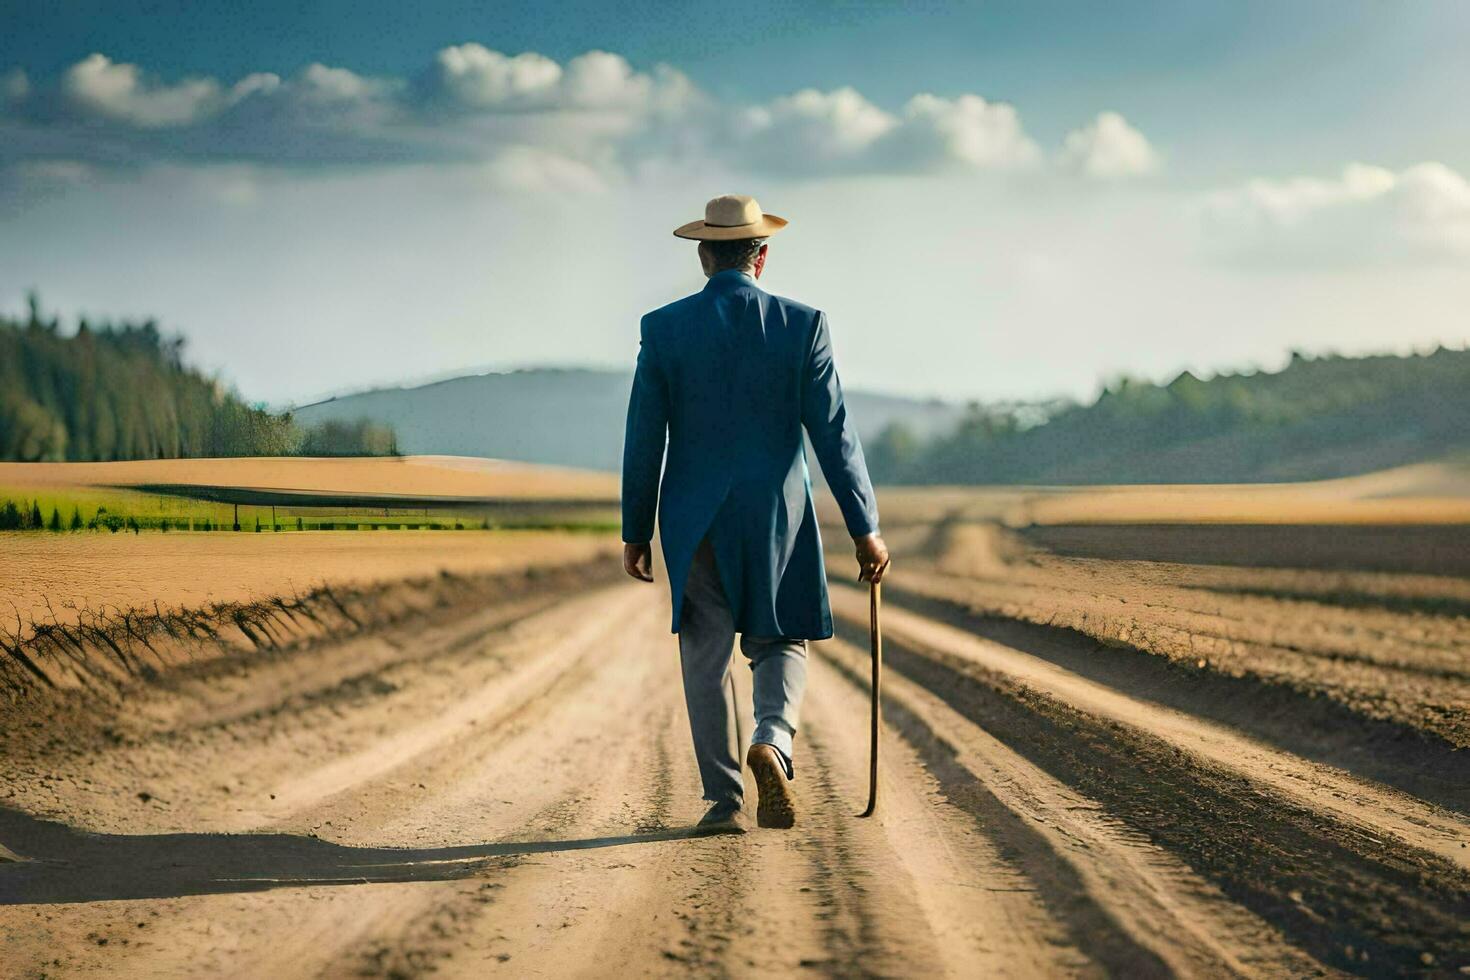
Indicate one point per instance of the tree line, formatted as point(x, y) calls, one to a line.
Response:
point(112, 391)
point(1317, 418)
point(29, 517)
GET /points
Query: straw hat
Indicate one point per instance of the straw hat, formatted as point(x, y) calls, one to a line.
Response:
point(730, 217)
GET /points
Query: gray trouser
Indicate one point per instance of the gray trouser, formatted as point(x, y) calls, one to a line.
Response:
point(706, 643)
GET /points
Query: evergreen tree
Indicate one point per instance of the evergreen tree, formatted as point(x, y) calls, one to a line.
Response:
point(1318, 417)
point(55, 524)
point(122, 391)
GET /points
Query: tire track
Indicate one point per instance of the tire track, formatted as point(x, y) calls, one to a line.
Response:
point(286, 930)
point(1088, 922)
point(1134, 909)
point(536, 766)
point(1354, 901)
point(1370, 808)
point(973, 910)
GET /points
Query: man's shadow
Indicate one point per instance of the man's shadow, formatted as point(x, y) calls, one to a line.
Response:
point(61, 864)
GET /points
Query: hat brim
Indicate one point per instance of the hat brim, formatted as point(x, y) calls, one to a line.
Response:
point(699, 231)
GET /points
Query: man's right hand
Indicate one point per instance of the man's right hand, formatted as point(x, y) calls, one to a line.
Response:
point(872, 557)
point(638, 561)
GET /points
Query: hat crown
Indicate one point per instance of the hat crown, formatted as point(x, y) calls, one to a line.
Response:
point(732, 211)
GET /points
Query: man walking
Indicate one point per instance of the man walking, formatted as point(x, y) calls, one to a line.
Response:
point(728, 378)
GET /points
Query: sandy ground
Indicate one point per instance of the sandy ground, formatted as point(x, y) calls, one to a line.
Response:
point(1373, 647)
point(507, 789)
point(44, 576)
point(1425, 493)
point(419, 476)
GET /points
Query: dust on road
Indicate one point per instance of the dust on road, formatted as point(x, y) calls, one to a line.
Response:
point(507, 786)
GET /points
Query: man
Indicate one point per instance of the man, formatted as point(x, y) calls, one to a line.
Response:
point(728, 378)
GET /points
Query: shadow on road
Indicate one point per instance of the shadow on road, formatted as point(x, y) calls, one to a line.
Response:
point(61, 864)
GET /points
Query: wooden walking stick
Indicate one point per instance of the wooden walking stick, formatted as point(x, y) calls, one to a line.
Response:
point(875, 637)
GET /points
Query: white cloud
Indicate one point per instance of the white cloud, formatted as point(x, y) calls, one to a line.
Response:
point(473, 76)
point(1366, 213)
point(967, 132)
point(474, 105)
point(600, 79)
point(259, 83)
point(97, 84)
point(321, 84)
point(1109, 148)
point(810, 128)
point(1285, 203)
point(98, 87)
point(815, 130)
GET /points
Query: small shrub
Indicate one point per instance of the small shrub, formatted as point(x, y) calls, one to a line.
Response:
point(10, 517)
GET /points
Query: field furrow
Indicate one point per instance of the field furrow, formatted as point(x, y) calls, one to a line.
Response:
point(504, 784)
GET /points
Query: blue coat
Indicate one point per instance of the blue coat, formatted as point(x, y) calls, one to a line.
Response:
point(728, 378)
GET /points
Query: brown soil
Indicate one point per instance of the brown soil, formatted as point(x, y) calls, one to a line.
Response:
point(1425, 549)
point(502, 782)
point(1425, 493)
point(1393, 649)
point(413, 476)
point(54, 577)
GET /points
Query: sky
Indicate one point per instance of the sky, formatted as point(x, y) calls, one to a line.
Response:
point(992, 201)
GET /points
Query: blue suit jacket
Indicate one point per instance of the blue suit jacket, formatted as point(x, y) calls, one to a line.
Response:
point(728, 378)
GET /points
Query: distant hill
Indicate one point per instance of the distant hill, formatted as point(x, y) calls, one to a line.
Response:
point(567, 417)
point(1319, 417)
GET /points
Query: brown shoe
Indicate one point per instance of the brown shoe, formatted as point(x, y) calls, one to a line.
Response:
point(777, 806)
point(722, 818)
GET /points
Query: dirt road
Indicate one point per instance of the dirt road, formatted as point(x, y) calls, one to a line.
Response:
point(508, 790)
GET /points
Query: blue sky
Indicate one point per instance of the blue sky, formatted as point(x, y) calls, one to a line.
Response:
point(1050, 193)
point(1322, 77)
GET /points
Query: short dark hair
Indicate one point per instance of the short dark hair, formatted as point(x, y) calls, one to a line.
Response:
point(738, 253)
